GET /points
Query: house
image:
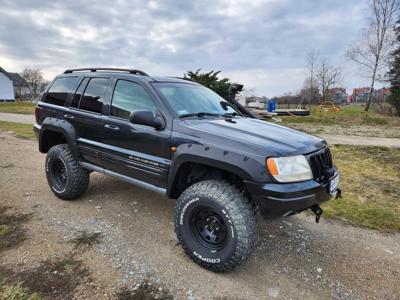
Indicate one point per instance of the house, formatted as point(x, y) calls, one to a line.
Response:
point(12, 86)
point(382, 94)
point(360, 94)
point(337, 95)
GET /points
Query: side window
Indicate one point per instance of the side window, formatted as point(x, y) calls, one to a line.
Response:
point(78, 94)
point(129, 97)
point(59, 90)
point(92, 99)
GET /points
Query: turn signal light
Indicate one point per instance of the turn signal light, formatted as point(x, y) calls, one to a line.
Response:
point(272, 168)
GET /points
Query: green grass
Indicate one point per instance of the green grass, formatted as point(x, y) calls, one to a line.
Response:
point(370, 185)
point(19, 129)
point(17, 107)
point(350, 115)
point(17, 292)
point(4, 230)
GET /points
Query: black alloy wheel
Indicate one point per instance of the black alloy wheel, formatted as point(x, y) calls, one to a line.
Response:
point(209, 227)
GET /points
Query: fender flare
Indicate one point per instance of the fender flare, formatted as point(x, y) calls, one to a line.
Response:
point(61, 126)
point(239, 164)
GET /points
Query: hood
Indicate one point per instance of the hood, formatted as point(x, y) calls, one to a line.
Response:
point(253, 135)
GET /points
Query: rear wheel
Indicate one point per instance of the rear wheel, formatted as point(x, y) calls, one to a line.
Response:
point(66, 178)
point(215, 224)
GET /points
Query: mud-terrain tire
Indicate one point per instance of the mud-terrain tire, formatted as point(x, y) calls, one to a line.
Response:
point(215, 225)
point(66, 178)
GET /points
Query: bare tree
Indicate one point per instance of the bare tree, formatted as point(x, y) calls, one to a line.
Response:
point(327, 76)
point(310, 90)
point(312, 60)
point(372, 50)
point(34, 78)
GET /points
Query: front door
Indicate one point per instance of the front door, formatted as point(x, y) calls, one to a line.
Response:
point(137, 151)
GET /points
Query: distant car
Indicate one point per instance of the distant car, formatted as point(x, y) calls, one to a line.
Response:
point(181, 139)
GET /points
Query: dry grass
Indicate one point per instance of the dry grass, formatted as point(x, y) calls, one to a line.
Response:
point(17, 108)
point(19, 129)
point(370, 184)
point(16, 292)
point(350, 115)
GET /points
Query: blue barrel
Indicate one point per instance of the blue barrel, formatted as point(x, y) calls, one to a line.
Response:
point(270, 105)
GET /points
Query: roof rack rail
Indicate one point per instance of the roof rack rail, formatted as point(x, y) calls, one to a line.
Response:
point(131, 71)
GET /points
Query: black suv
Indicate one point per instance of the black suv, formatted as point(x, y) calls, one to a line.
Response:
point(181, 139)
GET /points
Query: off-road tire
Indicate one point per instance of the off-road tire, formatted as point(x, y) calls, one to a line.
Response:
point(233, 208)
point(75, 179)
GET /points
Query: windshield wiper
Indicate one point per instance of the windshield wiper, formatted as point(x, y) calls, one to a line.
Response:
point(232, 114)
point(199, 114)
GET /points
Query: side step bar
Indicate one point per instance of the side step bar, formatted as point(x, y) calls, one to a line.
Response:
point(139, 183)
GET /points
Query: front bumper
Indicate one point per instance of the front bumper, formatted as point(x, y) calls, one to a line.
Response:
point(283, 199)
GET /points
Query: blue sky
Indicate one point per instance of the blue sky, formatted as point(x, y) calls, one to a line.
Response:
point(262, 44)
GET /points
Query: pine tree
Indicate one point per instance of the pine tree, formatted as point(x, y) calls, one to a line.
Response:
point(210, 80)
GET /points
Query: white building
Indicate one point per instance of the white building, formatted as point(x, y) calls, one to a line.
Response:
point(12, 86)
point(257, 102)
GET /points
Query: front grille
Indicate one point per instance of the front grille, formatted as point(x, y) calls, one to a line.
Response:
point(321, 164)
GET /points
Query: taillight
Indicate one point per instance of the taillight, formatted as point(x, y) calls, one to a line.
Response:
point(38, 112)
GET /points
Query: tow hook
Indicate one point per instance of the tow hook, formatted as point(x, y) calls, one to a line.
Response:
point(338, 194)
point(317, 211)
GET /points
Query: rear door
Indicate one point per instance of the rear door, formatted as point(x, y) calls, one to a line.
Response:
point(57, 96)
point(85, 114)
point(137, 151)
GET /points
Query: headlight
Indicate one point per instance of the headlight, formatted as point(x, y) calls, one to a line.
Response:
point(289, 169)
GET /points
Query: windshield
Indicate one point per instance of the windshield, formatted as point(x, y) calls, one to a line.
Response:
point(190, 99)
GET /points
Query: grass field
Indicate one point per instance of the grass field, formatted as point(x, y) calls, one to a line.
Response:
point(370, 184)
point(17, 108)
point(19, 129)
point(349, 115)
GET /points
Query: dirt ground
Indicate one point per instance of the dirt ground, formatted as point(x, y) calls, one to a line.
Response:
point(20, 118)
point(118, 242)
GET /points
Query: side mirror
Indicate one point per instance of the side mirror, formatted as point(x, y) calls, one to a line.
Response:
point(146, 117)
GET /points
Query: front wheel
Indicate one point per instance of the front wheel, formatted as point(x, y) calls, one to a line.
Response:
point(215, 224)
point(66, 178)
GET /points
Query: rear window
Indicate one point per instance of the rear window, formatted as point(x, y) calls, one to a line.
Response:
point(78, 94)
point(93, 97)
point(59, 90)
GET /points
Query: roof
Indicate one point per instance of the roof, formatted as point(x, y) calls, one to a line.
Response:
point(18, 80)
point(15, 78)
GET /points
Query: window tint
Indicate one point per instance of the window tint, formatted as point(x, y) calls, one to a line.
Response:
point(129, 97)
point(78, 94)
point(93, 96)
point(188, 98)
point(59, 90)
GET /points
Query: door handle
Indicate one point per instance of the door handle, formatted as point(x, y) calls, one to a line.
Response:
point(112, 127)
point(67, 116)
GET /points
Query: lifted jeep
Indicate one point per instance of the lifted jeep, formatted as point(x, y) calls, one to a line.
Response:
point(181, 139)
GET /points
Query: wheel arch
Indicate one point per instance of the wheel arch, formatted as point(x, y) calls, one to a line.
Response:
point(191, 164)
point(54, 132)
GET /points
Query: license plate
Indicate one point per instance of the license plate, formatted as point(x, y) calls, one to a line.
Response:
point(334, 184)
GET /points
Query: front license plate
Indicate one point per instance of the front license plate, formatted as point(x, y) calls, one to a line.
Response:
point(334, 184)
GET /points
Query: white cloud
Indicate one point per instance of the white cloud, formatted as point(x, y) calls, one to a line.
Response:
point(271, 82)
point(260, 43)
